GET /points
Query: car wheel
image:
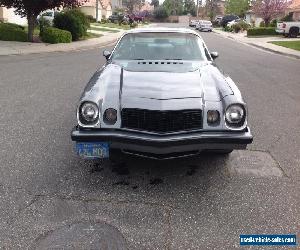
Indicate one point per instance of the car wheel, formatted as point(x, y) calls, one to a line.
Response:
point(294, 31)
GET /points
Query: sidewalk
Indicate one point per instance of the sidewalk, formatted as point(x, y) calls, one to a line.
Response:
point(262, 42)
point(23, 48)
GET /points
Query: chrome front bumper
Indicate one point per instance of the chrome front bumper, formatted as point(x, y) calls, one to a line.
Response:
point(129, 142)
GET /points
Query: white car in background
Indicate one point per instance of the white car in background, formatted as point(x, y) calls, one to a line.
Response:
point(48, 15)
point(193, 23)
point(288, 29)
point(204, 25)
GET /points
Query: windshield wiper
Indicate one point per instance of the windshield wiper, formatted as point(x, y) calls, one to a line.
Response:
point(136, 59)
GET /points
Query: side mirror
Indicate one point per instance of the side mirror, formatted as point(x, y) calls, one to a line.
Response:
point(106, 54)
point(214, 55)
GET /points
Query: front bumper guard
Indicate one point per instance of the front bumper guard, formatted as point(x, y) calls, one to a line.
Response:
point(129, 141)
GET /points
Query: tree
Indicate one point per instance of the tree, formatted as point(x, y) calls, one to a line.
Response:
point(32, 8)
point(160, 12)
point(189, 7)
point(211, 8)
point(237, 7)
point(174, 7)
point(155, 3)
point(269, 9)
point(132, 5)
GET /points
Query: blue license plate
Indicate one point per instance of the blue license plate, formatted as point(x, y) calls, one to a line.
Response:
point(92, 150)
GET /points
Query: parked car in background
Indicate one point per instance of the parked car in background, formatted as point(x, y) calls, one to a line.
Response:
point(288, 29)
point(204, 25)
point(117, 17)
point(193, 23)
point(160, 95)
point(228, 18)
point(218, 20)
point(48, 16)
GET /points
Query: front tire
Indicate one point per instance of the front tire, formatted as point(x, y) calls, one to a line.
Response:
point(294, 31)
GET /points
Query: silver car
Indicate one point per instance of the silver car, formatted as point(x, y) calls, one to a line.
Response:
point(204, 25)
point(160, 95)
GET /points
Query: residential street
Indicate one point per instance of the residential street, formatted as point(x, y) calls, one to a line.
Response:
point(204, 202)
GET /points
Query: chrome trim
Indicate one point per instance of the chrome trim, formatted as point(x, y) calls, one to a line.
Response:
point(245, 123)
point(96, 125)
point(141, 154)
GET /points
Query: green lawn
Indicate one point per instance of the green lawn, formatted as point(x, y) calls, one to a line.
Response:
point(103, 29)
point(112, 25)
point(288, 44)
point(90, 35)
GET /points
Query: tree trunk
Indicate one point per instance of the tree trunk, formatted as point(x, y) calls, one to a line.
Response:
point(267, 22)
point(31, 24)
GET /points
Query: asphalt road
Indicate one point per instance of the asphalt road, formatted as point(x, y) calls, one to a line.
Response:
point(200, 203)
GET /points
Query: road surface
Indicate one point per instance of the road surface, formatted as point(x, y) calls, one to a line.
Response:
point(204, 202)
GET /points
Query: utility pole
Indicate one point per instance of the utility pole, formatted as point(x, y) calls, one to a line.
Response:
point(197, 8)
point(97, 10)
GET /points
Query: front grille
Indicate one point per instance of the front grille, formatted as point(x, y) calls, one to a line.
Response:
point(161, 121)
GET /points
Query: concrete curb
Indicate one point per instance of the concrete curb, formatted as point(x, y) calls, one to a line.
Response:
point(259, 46)
point(274, 51)
point(61, 48)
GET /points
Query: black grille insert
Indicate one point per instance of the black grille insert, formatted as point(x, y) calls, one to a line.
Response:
point(162, 121)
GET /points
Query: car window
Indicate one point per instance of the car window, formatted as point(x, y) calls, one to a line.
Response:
point(47, 14)
point(160, 46)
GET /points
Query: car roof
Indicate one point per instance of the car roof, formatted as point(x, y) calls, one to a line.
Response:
point(163, 30)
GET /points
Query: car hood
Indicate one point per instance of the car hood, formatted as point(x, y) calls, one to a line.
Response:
point(116, 86)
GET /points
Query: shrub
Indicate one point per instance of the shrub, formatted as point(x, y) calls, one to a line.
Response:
point(103, 20)
point(262, 24)
point(54, 35)
point(245, 26)
point(43, 23)
point(91, 19)
point(80, 15)
point(261, 32)
point(12, 32)
point(236, 27)
point(273, 23)
point(15, 26)
point(160, 12)
point(73, 21)
point(228, 29)
point(133, 25)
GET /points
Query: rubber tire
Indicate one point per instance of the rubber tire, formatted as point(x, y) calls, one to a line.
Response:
point(294, 31)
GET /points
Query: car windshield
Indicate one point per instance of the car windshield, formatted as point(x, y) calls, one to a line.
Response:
point(160, 46)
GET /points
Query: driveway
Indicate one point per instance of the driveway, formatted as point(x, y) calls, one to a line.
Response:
point(49, 197)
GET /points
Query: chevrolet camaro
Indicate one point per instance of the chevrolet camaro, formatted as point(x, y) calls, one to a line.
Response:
point(160, 95)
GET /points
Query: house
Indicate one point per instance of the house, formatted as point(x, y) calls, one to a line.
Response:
point(104, 8)
point(252, 18)
point(294, 7)
point(8, 15)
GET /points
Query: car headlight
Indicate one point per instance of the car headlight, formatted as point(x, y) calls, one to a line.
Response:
point(110, 116)
point(88, 113)
point(235, 115)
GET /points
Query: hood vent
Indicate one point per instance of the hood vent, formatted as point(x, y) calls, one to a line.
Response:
point(159, 62)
